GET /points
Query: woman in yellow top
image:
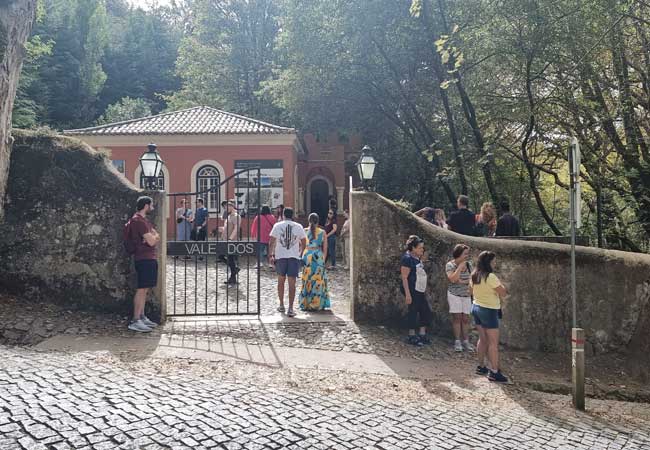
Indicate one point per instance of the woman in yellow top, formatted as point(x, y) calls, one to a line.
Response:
point(487, 291)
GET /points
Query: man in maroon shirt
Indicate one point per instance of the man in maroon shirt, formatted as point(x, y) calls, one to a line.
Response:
point(145, 238)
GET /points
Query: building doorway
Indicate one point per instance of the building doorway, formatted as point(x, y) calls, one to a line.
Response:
point(319, 192)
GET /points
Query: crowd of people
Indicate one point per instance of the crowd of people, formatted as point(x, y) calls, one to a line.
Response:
point(293, 250)
point(473, 290)
point(464, 221)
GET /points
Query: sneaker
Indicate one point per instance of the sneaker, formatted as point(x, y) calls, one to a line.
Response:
point(425, 339)
point(414, 340)
point(147, 322)
point(291, 313)
point(468, 346)
point(139, 326)
point(482, 370)
point(497, 377)
point(458, 347)
point(281, 309)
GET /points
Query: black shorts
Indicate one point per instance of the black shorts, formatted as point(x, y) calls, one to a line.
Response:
point(147, 273)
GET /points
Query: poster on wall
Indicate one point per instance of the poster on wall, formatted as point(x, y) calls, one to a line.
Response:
point(271, 182)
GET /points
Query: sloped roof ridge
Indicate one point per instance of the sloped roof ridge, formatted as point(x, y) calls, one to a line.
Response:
point(250, 120)
point(138, 119)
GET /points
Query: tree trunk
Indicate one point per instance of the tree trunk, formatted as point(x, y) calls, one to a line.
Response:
point(16, 18)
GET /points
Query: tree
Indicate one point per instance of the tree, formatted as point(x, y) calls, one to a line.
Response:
point(226, 55)
point(16, 17)
point(126, 109)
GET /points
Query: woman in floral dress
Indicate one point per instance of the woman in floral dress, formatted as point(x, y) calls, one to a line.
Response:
point(314, 295)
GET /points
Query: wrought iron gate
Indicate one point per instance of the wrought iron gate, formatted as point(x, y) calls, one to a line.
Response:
point(208, 271)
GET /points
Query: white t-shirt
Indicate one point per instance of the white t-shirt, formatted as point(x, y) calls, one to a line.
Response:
point(288, 235)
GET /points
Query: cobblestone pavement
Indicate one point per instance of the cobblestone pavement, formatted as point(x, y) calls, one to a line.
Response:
point(59, 401)
point(197, 287)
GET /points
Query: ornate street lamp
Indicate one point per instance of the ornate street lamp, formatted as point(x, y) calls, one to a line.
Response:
point(366, 166)
point(151, 164)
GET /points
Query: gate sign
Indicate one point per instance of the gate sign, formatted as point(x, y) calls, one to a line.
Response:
point(204, 248)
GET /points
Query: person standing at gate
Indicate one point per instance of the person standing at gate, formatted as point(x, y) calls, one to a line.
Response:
point(279, 213)
point(183, 222)
point(140, 240)
point(266, 222)
point(200, 230)
point(287, 242)
point(314, 295)
point(230, 232)
point(330, 228)
point(345, 238)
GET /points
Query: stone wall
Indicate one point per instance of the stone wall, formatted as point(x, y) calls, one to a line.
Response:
point(613, 286)
point(61, 239)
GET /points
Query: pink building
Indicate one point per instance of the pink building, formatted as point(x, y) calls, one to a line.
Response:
point(203, 146)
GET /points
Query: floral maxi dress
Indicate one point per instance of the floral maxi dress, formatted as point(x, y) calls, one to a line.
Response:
point(315, 294)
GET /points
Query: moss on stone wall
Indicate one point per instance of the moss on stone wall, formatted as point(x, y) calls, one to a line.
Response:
point(61, 240)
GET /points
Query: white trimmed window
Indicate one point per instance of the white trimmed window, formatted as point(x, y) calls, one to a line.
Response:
point(207, 177)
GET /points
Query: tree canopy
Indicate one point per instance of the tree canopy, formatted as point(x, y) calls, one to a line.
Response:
point(478, 97)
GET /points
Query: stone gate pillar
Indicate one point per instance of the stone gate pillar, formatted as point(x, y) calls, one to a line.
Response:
point(159, 220)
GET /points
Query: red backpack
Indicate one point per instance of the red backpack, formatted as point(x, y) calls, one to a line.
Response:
point(127, 240)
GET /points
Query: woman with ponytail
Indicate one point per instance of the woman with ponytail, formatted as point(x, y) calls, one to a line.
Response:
point(314, 295)
point(487, 290)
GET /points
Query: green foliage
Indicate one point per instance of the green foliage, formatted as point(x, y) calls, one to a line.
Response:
point(26, 110)
point(97, 53)
point(126, 109)
point(227, 56)
point(475, 96)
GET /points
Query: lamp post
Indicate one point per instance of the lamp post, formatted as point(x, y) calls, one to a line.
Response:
point(151, 164)
point(366, 166)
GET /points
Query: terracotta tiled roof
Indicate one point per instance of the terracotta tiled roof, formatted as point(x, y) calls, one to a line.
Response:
point(197, 120)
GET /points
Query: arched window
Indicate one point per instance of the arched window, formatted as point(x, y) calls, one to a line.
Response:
point(207, 177)
point(160, 181)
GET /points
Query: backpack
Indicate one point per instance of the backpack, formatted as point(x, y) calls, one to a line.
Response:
point(127, 241)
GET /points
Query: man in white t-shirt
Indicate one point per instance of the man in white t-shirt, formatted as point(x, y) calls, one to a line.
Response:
point(286, 244)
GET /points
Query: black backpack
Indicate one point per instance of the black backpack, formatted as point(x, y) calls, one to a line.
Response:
point(127, 241)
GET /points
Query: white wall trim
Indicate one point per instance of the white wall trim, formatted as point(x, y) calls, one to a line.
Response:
point(222, 176)
point(330, 189)
point(180, 140)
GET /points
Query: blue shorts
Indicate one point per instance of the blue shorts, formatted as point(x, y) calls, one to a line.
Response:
point(485, 317)
point(147, 273)
point(287, 267)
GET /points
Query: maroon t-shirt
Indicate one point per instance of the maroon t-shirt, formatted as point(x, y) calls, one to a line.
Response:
point(139, 227)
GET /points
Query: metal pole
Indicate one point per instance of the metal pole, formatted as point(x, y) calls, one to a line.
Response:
point(572, 202)
point(577, 334)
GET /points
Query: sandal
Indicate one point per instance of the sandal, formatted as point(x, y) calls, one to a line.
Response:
point(291, 313)
point(280, 309)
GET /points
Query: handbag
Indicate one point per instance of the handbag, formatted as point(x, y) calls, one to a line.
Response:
point(179, 220)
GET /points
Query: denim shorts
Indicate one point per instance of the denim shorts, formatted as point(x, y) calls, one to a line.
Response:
point(485, 317)
point(287, 267)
